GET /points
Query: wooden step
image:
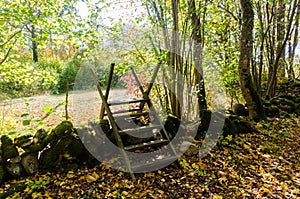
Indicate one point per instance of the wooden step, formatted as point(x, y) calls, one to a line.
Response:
point(146, 144)
point(130, 116)
point(153, 164)
point(139, 130)
point(124, 111)
point(126, 101)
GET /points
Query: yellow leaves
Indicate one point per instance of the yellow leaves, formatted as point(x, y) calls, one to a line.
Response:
point(46, 195)
point(202, 165)
point(261, 170)
point(216, 196)
point(263, 190)
point(95, 175)
point(70, 174)
point(183, 163)
point(36, 195)
point(116, 185)
point(247, 147)
point(90, 178)
point(222, 179)
point(194, 166)
point(259, 125)
point(35, 140)
point(28, 189)
point(253, 155)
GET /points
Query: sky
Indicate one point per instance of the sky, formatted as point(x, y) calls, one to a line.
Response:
point(120, 9)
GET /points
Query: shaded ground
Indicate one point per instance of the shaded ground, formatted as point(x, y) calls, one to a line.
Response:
point(255, 165)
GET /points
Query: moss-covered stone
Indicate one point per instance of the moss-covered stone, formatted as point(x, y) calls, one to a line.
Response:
point(70, 167)
point(78, 151)
point(30, 163)
point(34, 148)
point(267, 103)
point(172, 125)
point(230, 127)
point(10, 152)
point(240, 110)
point(6, 141)
point(23, 141)
point(40, 135)
point(64, 128)
point(14, 170)
point(236, 125)
point(50, 158)
point(8, 148)
point(51, 138)
point(272, 111)
point(104, 124)
point(2, 174)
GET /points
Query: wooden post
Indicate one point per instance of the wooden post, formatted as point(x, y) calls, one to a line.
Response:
point(67, 95)
point(102, 109)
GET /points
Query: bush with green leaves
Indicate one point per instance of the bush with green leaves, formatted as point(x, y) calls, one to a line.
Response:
point(52, 64)
point(25, 79)
point(68, 74)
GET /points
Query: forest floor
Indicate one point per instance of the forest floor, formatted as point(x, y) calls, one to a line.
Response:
point(253, 165)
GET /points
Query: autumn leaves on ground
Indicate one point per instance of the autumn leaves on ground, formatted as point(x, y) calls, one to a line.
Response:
point(254, 165)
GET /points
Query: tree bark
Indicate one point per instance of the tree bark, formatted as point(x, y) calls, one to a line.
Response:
point(251, 96)
point(280, 17)
point(273, 76)
point(34, 45)
point(197, 36)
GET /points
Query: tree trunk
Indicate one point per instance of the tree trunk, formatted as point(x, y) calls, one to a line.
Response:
point(197, 36)
point(292, 47)
point(273, 78)
point(280, 15)
point(34, 45)
point(251, 96)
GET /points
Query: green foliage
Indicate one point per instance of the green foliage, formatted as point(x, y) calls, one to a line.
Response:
point(36, 184)
point(103, 73)
point(68, 74)
point(52, 64)
point(25, 79)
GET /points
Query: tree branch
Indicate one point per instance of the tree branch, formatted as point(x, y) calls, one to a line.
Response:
point(10, 38)
point(7, 53)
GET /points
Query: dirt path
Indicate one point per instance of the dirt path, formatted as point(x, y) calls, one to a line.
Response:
point(82, 106)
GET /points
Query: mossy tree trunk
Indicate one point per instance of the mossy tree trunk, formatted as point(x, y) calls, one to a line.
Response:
point(251, 96)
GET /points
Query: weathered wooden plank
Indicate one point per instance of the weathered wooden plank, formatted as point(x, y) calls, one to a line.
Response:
point(146, 144)
point(126, 101)
point(102, 109)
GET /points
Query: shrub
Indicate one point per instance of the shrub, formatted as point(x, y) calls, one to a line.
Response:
point(53, 64)
point(69, 71)
point(25, 79)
